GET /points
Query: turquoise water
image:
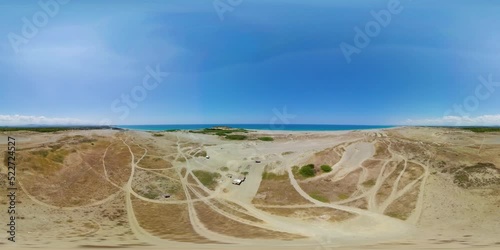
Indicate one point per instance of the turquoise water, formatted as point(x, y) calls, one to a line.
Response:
point(289, 127)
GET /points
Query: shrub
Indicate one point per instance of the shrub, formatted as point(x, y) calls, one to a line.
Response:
point(307, 170)
point(43, 153)
point(483, 129)
point(343, 196)
point(326, 168)
point(208, 179)
point(369, 183)
point(157, 135)
point(58, 158)
point(273, 176)
point(319, 197)
point(236, 137)
point(224, 169)
point(266, 138)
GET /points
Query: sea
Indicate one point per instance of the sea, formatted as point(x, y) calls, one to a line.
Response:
point(286, 127)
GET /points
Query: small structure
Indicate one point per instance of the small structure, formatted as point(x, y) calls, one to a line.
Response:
point(208, 157)
point(239, 180)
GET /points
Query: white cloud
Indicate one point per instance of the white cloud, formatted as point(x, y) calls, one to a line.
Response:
point(485, 120)
point(18, 120)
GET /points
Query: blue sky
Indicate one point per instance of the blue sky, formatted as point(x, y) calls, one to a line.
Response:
point(265, 56)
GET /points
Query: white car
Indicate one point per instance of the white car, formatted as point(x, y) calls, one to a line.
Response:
point(239, 180)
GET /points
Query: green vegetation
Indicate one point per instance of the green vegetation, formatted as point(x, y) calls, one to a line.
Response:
point(224, 169)
point(266, 138)
point(326, 168)
point(287, 153)
point(227, 132)
point(369, 183)
point(151, 192)
point(55, 154)
point(236, 137)
point(157, 134)
point(171, 130)
point(479, 175)
point(307, 170)
point(343, 196)
point(208, 179)
point(58, 157)
point(319, 197)
point(219, 131)
point(397, 215)
point(482, 129)
point(244, 173)
point(43, 152)
point(273, 176)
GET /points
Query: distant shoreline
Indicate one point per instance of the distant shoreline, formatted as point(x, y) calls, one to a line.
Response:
point(256, 127)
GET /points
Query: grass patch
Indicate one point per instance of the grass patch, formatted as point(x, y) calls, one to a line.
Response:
point(482, 129)
point(58, 157)
point(266, 138)
point(343, 196)
point(157, 134)
point(273, 176)
point(396, 215)
point(307, 171)
point(151, 194)
point(326, 168)
point(236, 137)
point(208, 179)
point(368, 183)
point(222, 131)
point(478, 175)
point(319, 197)
point(44, 153)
